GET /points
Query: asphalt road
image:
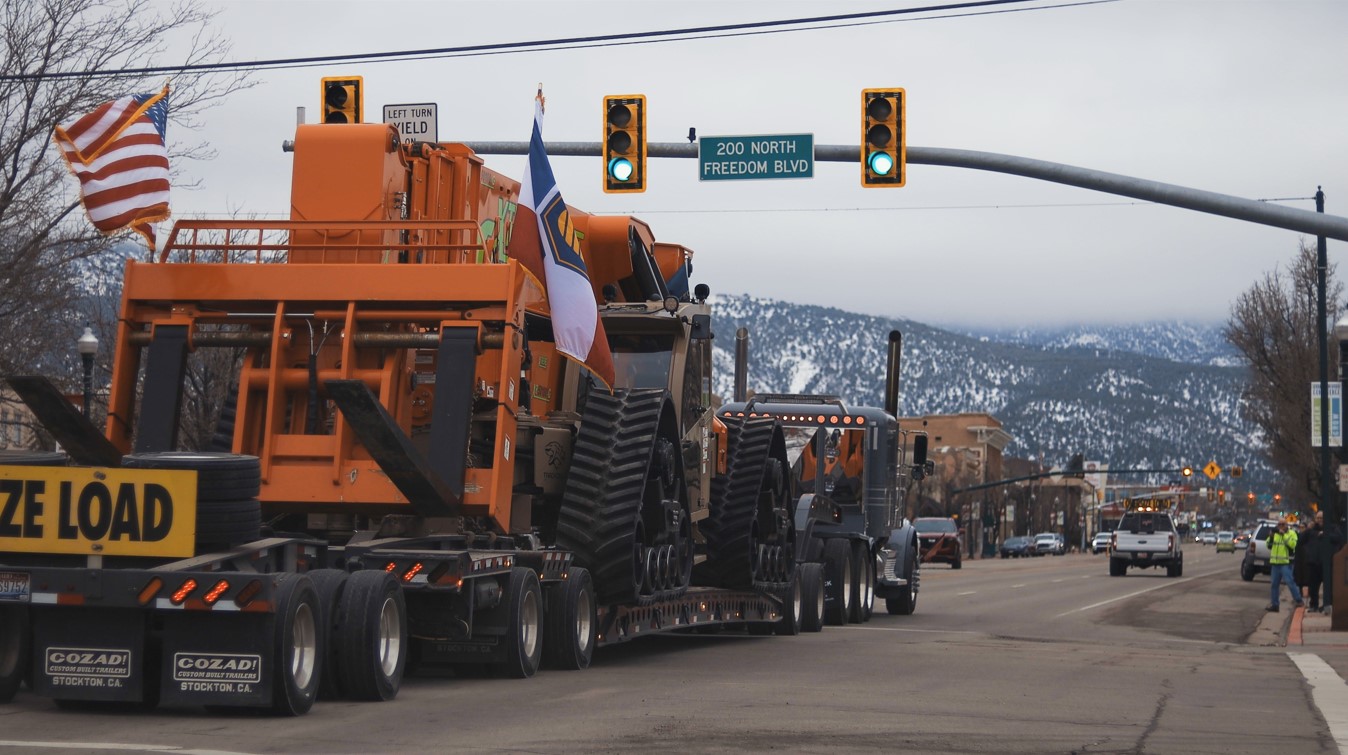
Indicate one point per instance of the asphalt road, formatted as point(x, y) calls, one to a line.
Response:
point(1021, 656)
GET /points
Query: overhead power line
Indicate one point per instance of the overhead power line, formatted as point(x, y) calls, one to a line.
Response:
point(565, 43)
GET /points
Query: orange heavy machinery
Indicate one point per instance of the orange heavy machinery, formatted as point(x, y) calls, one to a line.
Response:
point(411, 472)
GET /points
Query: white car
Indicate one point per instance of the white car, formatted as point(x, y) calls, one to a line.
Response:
point(1208, 538)
point(1100, 543)
point(1049, 542)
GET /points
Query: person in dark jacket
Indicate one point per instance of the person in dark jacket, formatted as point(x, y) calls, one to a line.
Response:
point(1329, 543)
point(1308, 570)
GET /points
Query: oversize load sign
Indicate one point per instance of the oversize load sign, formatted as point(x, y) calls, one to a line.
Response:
point(98, 510)
point(739, 158)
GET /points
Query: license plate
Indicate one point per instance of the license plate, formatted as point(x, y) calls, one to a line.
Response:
point(14, 586)
point(1145, 555)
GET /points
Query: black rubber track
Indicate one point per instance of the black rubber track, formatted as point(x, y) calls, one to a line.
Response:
point(734, 505)
point(603, 498)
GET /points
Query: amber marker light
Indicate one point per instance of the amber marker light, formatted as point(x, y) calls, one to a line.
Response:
point(150, 590)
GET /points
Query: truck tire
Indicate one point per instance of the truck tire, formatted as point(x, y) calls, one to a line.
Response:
point(17, 458)
point(228, 512)
point(1246, 571)
point(329, 584)
point(811, 578)
point(14, 641)
point(297, 644)
point(863, 583)
point(570, 622)
point(906, 603)
point(371, 636)
point(1117, 567)
point(838, 588)
point(523, 638)
point(958, 562)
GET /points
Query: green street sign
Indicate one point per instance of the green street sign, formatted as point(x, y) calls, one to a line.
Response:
point(748, 158)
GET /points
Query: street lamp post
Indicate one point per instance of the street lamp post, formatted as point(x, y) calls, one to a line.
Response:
point(1338, 510)
point(87, 345)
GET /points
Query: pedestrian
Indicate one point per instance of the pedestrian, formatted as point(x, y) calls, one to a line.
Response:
point(1329, 542)
point(1301, 559)
point(1282, 543)
point(1308, 569)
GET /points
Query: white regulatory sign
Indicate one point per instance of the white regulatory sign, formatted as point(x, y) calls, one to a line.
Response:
point(416, 122)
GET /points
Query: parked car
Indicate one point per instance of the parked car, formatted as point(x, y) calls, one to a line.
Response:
point(1256, 551)
point(1208, 538)
point(1049, 542)
point(1016, 547)
point(940, 540)
point(1226, 542)
point(1100, 543)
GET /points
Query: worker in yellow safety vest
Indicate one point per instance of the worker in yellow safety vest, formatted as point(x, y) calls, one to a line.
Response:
point(1282, 543)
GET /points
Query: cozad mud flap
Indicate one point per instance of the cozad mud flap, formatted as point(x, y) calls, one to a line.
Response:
point(214, 659)
point(96, 654)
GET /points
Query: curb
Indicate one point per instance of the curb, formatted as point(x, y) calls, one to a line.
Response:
point(1294, 628)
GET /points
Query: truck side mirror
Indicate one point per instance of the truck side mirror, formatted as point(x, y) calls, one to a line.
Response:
point(920, 450)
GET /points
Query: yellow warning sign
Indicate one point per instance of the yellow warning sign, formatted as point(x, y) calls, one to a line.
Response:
point(1212, 470)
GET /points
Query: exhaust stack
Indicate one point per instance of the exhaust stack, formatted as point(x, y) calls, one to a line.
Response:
point(892, 373)
point(742, 364)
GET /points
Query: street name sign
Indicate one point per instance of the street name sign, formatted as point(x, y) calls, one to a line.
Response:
point(747, 158)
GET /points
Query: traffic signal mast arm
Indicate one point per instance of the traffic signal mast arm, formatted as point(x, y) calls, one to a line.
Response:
point(1062, 473)
point(1212, 203)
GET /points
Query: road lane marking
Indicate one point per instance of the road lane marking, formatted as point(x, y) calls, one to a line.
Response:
point(1060, 579)
point(926, 631)
point(1139, 592)
point(1329, 693)
point(175, 749)
point(1022, 584)
point(968, 592)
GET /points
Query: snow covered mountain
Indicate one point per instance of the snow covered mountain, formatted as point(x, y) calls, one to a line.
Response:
point(1153, 396)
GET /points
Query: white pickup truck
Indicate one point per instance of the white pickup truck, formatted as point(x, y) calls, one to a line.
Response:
point(1145, 539)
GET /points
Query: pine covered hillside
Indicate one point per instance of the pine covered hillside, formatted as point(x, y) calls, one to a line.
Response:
point(1126, 409)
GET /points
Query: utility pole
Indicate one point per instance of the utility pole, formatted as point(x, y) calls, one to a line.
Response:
point(1328, 493)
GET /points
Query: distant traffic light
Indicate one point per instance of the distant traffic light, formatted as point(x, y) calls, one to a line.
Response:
point(1187, 471)
point(1076, 466)
point(883, 152)
point(624, 143)
point(1237, 471)
point(342, 101)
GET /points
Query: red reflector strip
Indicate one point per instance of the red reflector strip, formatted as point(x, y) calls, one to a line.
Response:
point(69, 599)
point(182, 592)
point(216, 592)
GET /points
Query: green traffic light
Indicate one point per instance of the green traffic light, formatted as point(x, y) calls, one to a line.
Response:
point(621, 169)
point(880, 163)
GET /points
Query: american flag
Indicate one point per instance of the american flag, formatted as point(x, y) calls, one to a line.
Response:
point(118, 153)
point(545, 242)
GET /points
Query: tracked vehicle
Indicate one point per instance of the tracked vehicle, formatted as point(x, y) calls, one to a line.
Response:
point(409, 471)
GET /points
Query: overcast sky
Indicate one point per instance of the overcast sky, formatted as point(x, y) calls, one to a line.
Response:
point(1242, 97)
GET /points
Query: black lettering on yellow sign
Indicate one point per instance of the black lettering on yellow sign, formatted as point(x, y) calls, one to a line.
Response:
point(103, 510)
point(127, 512)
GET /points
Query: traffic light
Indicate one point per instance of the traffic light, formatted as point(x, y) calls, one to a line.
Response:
point(1187, 471)
point(342, 101)
point(1237, 471)
point(624, 143)
point(1076, 467)
point(883, 154)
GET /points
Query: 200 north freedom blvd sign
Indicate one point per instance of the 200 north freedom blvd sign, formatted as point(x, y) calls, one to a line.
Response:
point(741, 158)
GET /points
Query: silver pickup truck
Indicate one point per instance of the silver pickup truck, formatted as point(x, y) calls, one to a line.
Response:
point(1256, 552)
point(1145, 539)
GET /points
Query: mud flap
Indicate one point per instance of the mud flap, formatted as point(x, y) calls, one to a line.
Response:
point(214, 658)
point(89, 654)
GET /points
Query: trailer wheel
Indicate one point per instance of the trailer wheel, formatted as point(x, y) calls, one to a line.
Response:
point(297, 644)
point(1117, 567)
point(837, 581)
point(523, 646)
point(371, 636)
point(14, 639)
point(329, 584)
point(570, 622)
point(811, 577)
point(793, 606)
